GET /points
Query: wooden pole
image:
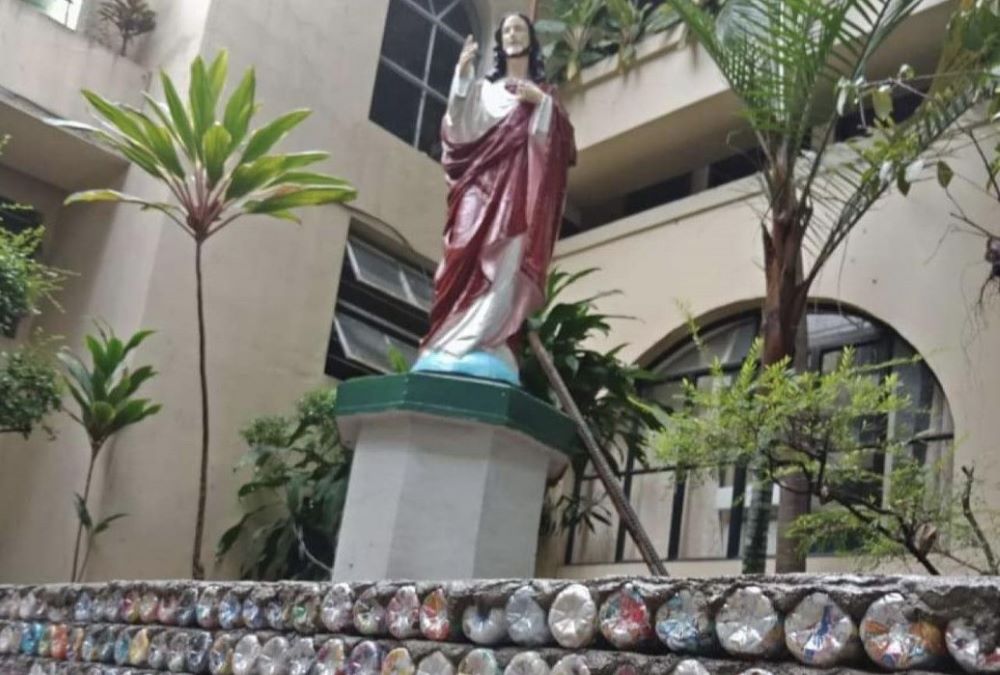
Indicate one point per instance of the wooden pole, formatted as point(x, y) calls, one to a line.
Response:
point(533, 10)
point(627, 514)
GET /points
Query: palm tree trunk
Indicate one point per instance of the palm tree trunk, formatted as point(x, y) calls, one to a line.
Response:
point(784, 307)
point(758, 522)
point(79, 527)
point(197, 570)
point(796, 501)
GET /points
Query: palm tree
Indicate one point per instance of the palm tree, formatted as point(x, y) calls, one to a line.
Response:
point(217, 171)
point(795, 65)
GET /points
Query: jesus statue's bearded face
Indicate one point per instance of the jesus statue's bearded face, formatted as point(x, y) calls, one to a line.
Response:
point(515, 36)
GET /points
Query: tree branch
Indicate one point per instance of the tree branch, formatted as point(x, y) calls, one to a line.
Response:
point(991, 559)
point(963, 563)
point(307, 553)
point(986, 162)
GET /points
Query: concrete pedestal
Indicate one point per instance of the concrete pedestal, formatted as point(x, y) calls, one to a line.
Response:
point(447, 479)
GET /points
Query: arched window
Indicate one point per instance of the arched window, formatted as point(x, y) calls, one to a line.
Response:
point(703, 520)
point(420, 46)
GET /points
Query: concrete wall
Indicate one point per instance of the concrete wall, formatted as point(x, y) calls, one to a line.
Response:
point(48, 64)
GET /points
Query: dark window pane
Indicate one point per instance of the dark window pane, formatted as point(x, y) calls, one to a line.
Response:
point(426, 4)
point(407, 37)
point(430, 130)
point(446, 51)
point(735, 167)
point(17, 217)
point(654, 195)
point(371, 320)
point(395, 103)
point(458, 20)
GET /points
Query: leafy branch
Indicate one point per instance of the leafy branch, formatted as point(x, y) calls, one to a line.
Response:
point(105, 396)
point(830, 430)
point(294, 495)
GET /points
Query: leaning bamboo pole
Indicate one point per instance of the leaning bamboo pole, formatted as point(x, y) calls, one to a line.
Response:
point(626, 513)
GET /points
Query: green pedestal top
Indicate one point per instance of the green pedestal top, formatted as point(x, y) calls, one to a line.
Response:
point(466, 398)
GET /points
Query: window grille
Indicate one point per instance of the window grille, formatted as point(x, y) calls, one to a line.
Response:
point(383, 305)
point(420, 47)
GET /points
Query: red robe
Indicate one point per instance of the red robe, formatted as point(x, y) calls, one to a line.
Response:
point(506, 183)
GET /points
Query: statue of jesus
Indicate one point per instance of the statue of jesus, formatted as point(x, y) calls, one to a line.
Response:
point(508, 146)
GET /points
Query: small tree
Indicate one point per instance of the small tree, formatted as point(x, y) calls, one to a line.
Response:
point(574, 34)
point(794, 64)
point(830, 428)
point(131, 18)
point(217, 170)
point(105, 395)
point(578, 33)
point(295, 494)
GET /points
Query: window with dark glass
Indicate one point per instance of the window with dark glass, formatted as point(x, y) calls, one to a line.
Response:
point(420, 46)
point(383, 306)
point(703, 519)
point(658, 194)
point(734, 167)
point(17, 218)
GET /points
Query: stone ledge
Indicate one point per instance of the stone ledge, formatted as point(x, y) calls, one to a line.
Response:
point(122, 624)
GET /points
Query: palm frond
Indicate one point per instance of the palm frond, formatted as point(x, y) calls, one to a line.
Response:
point(869, 180)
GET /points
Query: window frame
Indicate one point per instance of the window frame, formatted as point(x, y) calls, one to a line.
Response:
point(437, 23)
point(398, 319)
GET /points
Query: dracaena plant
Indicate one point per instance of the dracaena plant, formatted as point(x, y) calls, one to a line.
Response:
point(217, 167)
point(105, 394)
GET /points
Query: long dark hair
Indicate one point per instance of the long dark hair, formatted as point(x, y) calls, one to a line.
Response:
point(536, 64)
